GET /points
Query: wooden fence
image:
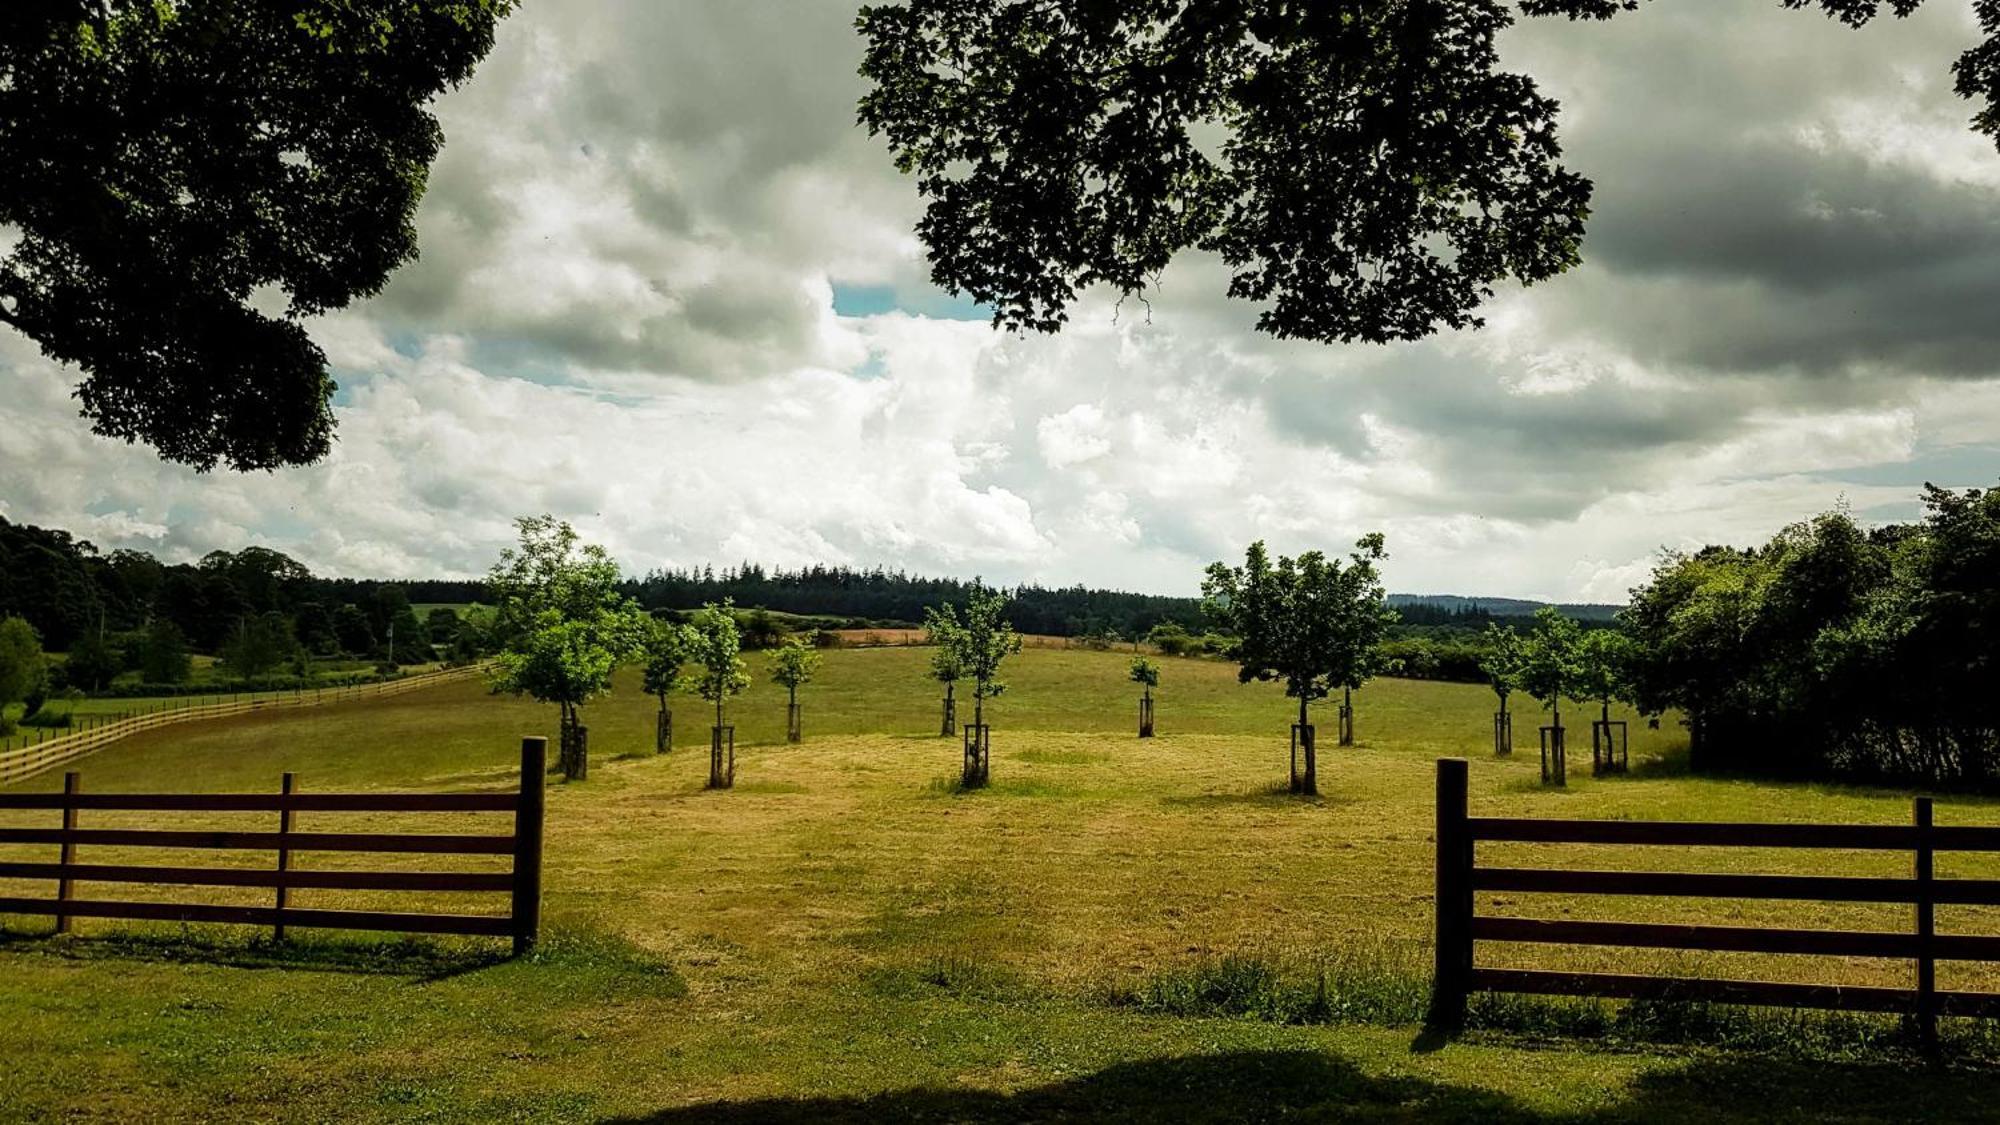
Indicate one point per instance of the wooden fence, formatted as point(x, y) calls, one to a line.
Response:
point(1459, 925)
point(522, 884)
point(26, 762)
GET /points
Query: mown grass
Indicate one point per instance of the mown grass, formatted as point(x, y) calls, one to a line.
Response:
point(1136, 929)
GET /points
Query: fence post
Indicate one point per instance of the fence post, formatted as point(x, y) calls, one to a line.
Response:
point(528, 814)
point(1451, 978)
point(65, 888)
point(285, 788)
point(1926, 926)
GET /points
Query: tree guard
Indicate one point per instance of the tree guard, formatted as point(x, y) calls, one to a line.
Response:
point(576, 752)
point(1609, 747)
point(1302, 739)
point(1503, 734)
point(1555, 768)
point(722, 757)
point(1346, 723)
point(663, 732)
point(949, 726)
point(794, 725)
point(978, 755)
point(1145, 716)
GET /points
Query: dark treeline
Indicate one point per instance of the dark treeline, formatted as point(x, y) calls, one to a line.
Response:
point(884, 597)
point(1834, 650)
point(257, 608)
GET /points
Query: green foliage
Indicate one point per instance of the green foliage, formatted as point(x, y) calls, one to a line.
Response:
point(717, 646)
point(1172, 639)
point(352, 632)
point(984, 640)
point(943, 633)
point(1367, 171)
point(261, 644)
point(91, 664)
point(1552, 659)
point(162, 654)
point(794, 662)
point(1060, 150)
point(759, 630)
point(1832, 649)
point(23, 668)
point(164, 163)
point(559, 616)
point(1604, 667)
point(669, 645)
point(1310, 622)
point(1145, 673)
point(1504, 662)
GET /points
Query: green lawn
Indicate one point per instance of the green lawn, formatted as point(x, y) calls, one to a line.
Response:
point(845, 937)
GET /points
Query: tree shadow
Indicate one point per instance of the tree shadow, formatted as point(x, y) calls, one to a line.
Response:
point(1237, 1086)
point(1756, 1087)
point(1277, 794)
point(415, 959)
point(1314, 1085)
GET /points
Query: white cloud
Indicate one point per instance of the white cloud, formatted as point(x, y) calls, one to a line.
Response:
point(625, 315)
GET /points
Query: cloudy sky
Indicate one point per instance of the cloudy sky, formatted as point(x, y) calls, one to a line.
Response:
point(669, 292)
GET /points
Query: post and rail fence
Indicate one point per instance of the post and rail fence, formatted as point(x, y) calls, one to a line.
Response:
point(25, 762)
point(1460, 926)
point(522, 883)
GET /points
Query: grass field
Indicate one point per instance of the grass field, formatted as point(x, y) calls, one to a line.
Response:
point(1122, 928)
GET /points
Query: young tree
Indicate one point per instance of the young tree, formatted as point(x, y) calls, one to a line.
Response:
point(941, 633)
point(792, 667)
point(1603, 663)
point(23, 668)
point(167, 163)
point(717, 646)
point(1551, 664)
point(563, 626)
point(984, 640)
point(1299, 621)
point(1146, 674)
point(1502, 663)
point(668, 646)
point(1366, 619)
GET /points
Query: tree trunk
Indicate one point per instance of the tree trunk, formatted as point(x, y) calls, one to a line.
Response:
point(660, 727)
point(1309, 784)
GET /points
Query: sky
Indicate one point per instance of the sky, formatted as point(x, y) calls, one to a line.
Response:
point(668, 291)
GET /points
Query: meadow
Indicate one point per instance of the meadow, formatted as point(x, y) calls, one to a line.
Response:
point(1115, 928)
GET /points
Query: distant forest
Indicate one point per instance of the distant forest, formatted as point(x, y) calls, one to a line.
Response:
point(63, 586)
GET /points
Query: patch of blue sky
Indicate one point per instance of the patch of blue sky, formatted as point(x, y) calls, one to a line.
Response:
point(875, 300)
point(1951, 466)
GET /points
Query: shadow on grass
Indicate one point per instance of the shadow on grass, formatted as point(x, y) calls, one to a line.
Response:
point(1244, 1085)
point(1313, 1085)
point(1276, 794)
point(416, 958)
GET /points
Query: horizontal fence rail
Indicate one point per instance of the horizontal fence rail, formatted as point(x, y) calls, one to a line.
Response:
point(522, 883)
point(1460, 926)
point(26, 762)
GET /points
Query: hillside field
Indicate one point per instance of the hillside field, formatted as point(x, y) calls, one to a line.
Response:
point(1116, 928)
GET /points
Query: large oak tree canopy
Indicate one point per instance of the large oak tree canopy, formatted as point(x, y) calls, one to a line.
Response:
point(1362, 166)
point(164, 161)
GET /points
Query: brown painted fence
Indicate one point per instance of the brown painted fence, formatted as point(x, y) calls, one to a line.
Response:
point(522, 884)
point(27, 761)
point(1459, 925)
